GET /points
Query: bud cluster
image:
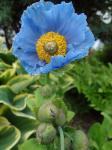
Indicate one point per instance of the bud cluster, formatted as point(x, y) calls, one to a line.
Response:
point(50, 117)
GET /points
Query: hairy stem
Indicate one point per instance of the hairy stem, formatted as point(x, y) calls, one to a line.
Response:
point(61, 138)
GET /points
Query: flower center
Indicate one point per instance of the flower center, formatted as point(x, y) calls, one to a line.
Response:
point(51, 47)
point(50, 44)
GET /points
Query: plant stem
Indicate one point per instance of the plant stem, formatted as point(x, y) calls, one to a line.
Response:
point(61, 137)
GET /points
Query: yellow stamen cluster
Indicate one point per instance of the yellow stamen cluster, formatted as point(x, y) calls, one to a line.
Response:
point(50, 37)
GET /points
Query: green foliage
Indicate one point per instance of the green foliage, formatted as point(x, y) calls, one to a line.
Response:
point(32, 144)
point(22, 95)
point(15, 89)
point(93, 79)
point(100, 135)
point(9, 135)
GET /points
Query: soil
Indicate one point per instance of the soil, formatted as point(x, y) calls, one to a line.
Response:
point(85, 114)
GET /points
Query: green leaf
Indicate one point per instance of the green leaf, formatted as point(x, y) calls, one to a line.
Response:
point(6, 95)
point(107, 117)
point(7, 57)
point(26, 113)
point(3, 109)
point(39, 99)
point(7, 75)
point(19, 68)
point(34, 103)
point(93, 145)
point(19, 102)
point(4, 66)
point(107, 127)
point(69, 132)
point(70, 115)
point(107, 146)
point(3, 122)
point(9, 136)
point(32, 144)
point(20, 82)
point(60, 104)
point(97, 134)
point(25, 125)
point(67, 82)
point(7, 98)
point(31, 103)
point(44, 79)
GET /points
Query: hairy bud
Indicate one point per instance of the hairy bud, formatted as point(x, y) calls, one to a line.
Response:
point(80, 141)
point(45, 133)
point(47, 112)
point(60, 118)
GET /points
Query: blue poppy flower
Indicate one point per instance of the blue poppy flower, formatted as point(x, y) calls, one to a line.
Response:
point(51, 36)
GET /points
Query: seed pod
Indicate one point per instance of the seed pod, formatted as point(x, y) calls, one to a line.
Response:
point(80, 141)
point(47, 112)
point(45, 133)
point(60, 118)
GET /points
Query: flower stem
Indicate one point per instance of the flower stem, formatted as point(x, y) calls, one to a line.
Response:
point(61, 137)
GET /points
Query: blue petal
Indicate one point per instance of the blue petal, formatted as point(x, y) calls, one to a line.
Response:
point(55, 17)
point(57, 61)
point(32, 27)
point(75, 53)
point(31, 22)
point(42, 17)
point(34, 17)
point(88, 41)
point(22, 42)
point(81, 50)
point(72, 54)
point(31, 59)
point(61, 13)
point(75, 28)
point(46, 69)
point(36, 69)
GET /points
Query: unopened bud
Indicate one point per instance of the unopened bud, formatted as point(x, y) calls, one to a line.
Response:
point(45, 133)
point(47, 112)
point(61, 118)
point(80, 141)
